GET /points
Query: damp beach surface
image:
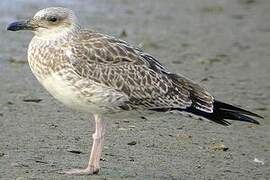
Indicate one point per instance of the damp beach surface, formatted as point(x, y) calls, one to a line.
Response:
point(223, 45)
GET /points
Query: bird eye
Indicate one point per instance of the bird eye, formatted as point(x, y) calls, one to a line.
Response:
point(52, 18)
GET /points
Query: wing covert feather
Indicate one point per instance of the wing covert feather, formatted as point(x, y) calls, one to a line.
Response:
point(138, 75)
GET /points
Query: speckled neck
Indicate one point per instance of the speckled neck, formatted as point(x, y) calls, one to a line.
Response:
point(47, 55)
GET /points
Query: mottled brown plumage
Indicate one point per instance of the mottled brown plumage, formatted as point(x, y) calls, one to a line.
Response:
point(115, 65)
point(99, 74)
point(138, 75)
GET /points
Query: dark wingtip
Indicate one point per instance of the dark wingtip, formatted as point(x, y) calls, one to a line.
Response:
point(241, 117)
point(226, 111)
point(221, 113)
point(227, 107)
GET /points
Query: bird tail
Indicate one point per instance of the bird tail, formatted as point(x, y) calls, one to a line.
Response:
point(224, 111)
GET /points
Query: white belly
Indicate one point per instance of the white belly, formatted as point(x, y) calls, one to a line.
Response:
point(64, 92)
point(94, 99)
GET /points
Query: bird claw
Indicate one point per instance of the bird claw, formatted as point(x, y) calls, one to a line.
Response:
point(80, 172)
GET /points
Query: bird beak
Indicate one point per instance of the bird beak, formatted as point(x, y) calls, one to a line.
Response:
point(20, 25)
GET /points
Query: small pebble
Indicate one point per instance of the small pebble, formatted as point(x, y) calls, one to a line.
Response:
point(75, 151)
point(220, 147)
point(132, 143)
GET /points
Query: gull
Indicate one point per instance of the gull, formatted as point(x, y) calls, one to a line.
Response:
point(104, 76)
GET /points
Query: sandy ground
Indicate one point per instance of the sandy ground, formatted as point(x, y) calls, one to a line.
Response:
point(222, 44)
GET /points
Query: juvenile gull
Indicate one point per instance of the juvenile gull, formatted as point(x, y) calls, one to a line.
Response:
point(102, 75)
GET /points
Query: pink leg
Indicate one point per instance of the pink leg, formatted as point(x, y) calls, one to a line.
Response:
point(98, 138)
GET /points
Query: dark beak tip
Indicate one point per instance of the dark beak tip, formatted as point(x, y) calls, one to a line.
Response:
point(20, 25)
point(10, 28)
point(13, 26)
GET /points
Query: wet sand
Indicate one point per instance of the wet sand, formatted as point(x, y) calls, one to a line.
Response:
point(224, 45)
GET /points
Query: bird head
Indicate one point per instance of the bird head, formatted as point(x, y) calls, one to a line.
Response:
point(48, 21)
